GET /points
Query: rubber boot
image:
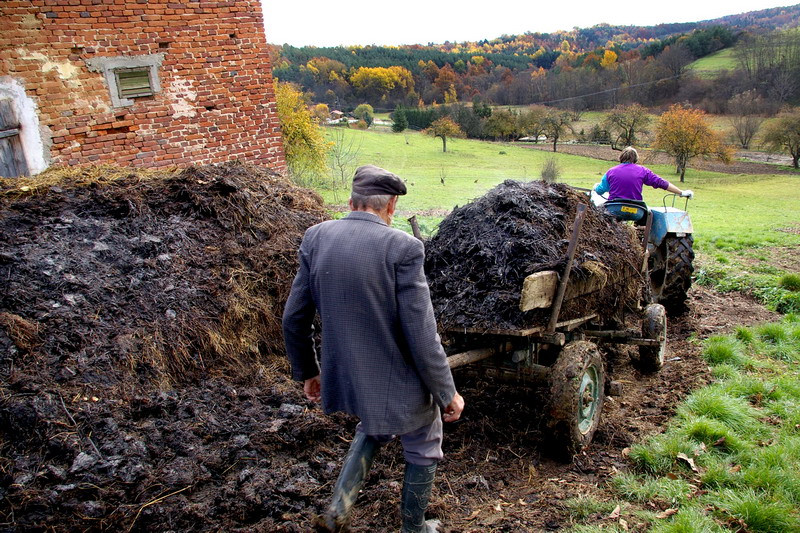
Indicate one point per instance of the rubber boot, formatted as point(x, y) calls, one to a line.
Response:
point(357, 463)
point(417, 485)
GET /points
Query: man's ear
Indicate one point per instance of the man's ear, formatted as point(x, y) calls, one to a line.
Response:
point(350, 203)
point(390, 207)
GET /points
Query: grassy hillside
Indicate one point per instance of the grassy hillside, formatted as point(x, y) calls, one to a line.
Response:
point(711, 65)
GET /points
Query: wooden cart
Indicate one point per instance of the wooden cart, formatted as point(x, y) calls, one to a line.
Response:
point(562, 353)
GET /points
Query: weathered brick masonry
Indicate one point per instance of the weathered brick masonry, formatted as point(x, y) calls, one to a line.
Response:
point(215, 99)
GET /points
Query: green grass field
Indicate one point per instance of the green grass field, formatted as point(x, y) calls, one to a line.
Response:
point(737, 219)
point(736, 211)
point(711, 65)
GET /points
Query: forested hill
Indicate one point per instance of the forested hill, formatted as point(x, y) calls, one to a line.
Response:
point(580, 39)
point(583, 67)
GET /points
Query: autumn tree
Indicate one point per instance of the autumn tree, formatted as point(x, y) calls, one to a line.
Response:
point(623, 124)
point(364, 112)
point(303, 141)
point(502, 124)
point(531, 121)
point(784, 135)
point(556, 124)
point(684, 133)
point(321, 113)
point(377, 84)
point(444, 128)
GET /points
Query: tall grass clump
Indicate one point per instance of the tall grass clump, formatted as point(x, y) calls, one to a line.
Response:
point(790, 282)
point(724, 349)
point(756, 509)
point(551, 170)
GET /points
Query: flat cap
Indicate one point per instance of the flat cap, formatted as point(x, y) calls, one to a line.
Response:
point(370, 180)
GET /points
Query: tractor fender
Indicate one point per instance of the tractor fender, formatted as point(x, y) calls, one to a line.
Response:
point(669, 220)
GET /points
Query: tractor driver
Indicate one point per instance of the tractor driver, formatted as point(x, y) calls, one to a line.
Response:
point(625, 181)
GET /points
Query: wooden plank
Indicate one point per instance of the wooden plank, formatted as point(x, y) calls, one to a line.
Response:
point(538, 290)
point(8, 119)
point(12, 158)
point(569, 325)
point(472, 356)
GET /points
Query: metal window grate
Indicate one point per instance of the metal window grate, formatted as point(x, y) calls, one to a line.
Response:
point(133, 82)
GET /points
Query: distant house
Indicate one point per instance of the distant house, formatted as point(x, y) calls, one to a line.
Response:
point(145, 83)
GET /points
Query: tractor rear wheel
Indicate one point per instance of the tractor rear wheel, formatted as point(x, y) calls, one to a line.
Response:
point(671, 272)
point(576, 397)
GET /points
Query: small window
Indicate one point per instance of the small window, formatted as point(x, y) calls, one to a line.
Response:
point(133, 82)
point(129, 77)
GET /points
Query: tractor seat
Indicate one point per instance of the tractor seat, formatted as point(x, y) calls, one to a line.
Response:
point(626, 209)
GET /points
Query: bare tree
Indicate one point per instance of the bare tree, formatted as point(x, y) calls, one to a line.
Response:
point(557, 124)
point(676, 58)
point(745, 109)
point(624, 123)
point(343, 155)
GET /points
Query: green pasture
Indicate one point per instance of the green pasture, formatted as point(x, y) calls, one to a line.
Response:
point(729, 212)
point(737, 218)
point(712, 64)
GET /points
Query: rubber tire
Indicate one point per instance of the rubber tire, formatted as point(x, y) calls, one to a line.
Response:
point(679, 269)
point(654, 325)
point(573, 421)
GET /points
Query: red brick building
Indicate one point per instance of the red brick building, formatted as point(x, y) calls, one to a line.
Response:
point(136, 82)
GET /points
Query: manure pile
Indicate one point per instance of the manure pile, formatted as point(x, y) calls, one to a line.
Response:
point(478, 260)
point(141, 355)
point(164, 274)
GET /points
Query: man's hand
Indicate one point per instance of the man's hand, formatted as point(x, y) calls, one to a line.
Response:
point(453, 411)
point(687, 194)
point(312, 388)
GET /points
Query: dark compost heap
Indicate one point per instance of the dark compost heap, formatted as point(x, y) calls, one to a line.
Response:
point(131, 303)
point(478, 260)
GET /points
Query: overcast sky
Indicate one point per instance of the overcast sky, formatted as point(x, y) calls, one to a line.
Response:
point(387, 22)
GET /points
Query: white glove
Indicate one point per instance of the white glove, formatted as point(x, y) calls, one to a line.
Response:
point(687, 194)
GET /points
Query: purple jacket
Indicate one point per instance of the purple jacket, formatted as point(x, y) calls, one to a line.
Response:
point(626, 180)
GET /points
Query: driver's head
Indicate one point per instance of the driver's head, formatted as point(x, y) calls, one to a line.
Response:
point(629, 155)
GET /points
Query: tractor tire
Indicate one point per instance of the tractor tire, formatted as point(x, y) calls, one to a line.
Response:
point(576, 398)
point(671, 273)
point(654, 326)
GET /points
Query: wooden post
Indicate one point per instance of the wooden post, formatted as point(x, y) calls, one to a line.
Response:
point(415, 227)
point(562, 287)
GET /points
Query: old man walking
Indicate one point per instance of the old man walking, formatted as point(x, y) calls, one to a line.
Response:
point(381, 358)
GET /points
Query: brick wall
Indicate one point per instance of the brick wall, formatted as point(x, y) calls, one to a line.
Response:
point(216, 101)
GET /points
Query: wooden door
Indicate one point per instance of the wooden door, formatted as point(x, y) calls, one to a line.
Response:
point(12, 157)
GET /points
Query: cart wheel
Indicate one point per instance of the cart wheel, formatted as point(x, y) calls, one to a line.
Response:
point(576, 386)
point(654, 326)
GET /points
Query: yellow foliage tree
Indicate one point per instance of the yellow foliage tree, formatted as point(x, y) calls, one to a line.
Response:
point(377, 82)
point(444, 128)
point(684, 133)
point(303, 141)
point(609, 59)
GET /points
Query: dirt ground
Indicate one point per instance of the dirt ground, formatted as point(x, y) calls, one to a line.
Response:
point(745, 161)
point(96, 440)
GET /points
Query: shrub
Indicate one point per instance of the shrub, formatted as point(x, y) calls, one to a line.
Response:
point(551, 170)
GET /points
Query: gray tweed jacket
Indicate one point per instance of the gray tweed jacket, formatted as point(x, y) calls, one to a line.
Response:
point(382, 359)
